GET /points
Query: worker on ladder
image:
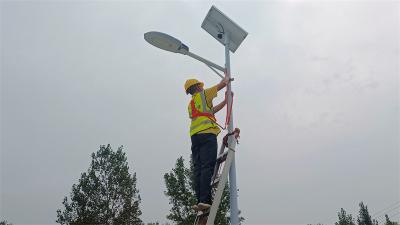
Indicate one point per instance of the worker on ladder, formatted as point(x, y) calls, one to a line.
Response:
point(203, 132)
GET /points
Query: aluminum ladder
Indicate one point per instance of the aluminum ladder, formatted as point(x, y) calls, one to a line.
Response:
point(220, 177)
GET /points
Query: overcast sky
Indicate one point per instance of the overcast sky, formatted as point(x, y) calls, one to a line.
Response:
point(316, 97)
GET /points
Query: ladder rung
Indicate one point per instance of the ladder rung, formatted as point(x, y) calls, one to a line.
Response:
point(203, 212)
point(222, 157)
point(215, 181)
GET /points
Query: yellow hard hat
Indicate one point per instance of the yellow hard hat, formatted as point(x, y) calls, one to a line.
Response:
point(191, 82)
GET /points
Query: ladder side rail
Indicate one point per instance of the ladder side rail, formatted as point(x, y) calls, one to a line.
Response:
point(216, 171)
point(221, 187)
point(217, 164)
point(221, 149)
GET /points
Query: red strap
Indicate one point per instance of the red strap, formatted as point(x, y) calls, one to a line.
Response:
point(236, 133)
point(228, 114)
point(197, 113)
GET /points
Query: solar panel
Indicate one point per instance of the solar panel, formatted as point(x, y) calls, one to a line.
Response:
point(217, 24)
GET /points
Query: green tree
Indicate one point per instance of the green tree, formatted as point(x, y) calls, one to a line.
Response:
point(388, 222)
point(344, 219)
point(364, 218)
point(105, 194)
point(180, 190)
point(4, 222)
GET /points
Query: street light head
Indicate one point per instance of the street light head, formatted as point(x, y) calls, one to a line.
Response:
point(166, 42)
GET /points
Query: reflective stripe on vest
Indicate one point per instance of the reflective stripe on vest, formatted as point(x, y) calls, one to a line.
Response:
point(204, 118)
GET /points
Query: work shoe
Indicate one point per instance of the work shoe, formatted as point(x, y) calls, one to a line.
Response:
point(203, 206)
point(195, 208)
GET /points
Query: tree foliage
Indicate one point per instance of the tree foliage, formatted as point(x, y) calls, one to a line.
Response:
point(388, 222)
point(364, 218)
point(4, 222)
point(105, 194)
point(344, 219)
point(180, 190)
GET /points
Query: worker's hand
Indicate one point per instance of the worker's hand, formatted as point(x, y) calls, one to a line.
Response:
point(225, 81)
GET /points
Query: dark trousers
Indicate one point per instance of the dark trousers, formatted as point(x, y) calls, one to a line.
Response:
point(204, 154)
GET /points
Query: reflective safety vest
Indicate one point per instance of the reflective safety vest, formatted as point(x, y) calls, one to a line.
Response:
point(201, 115)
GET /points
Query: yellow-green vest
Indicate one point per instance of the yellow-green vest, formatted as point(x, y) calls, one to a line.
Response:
point(202, 122)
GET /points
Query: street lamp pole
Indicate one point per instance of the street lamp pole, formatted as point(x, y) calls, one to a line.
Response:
point(231, 141)
point(231, 36)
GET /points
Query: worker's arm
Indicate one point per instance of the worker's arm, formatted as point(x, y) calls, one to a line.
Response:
point(218, 107)
point(224, 82)
point(221, 105)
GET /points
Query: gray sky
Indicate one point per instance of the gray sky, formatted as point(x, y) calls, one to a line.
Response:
point(316, 97)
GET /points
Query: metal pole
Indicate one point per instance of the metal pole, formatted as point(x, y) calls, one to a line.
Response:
point(231, 143)
point(207, 62)
point(215, 71)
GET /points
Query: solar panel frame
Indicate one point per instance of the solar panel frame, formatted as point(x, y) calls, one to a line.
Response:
point(216, 22)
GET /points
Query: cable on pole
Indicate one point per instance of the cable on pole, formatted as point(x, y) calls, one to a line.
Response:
point(395, 205)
